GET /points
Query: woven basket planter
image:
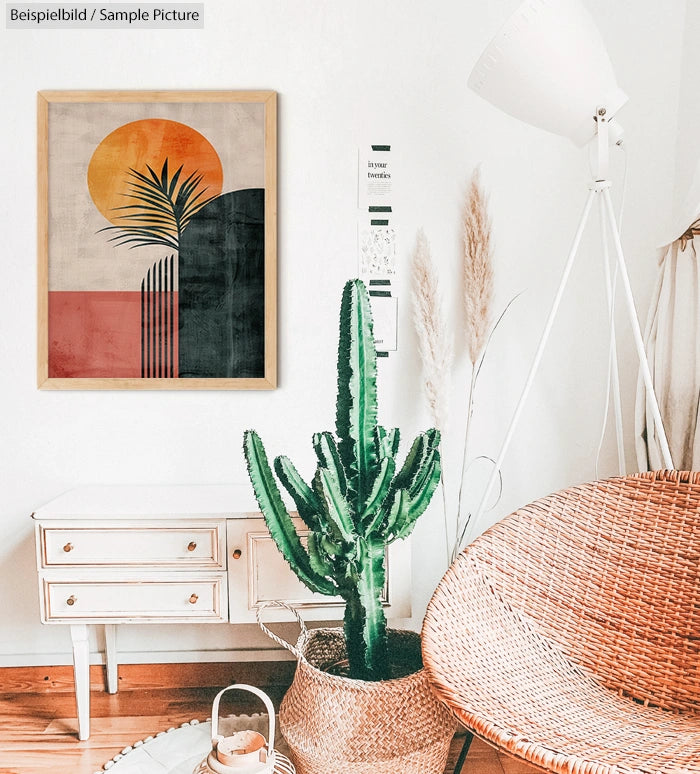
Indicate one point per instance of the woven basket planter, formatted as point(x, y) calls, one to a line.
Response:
point(335, 724)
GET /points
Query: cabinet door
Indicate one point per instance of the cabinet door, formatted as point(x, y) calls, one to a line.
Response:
point(257, 572)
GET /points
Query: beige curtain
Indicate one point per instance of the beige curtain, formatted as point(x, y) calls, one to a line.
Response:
point(673, 349)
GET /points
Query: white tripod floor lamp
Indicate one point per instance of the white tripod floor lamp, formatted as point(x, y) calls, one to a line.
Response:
point(548, 67)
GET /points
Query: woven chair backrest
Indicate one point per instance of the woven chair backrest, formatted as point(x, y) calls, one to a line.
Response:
point(611, 572)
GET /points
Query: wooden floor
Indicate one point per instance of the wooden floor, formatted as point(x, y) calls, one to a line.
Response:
point(38, 730)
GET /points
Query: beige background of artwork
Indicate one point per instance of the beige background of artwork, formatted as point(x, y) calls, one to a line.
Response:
point(79, 257)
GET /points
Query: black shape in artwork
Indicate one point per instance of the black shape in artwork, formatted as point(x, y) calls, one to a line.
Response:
point(157, 328)
point(221, 298)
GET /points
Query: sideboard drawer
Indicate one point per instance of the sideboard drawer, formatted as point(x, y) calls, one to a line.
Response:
point(180, 598)
point(197, 546)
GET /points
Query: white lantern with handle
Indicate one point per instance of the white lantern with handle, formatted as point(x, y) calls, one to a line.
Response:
point(245, 752)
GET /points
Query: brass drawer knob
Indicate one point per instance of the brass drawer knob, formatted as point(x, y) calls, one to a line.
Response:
point(192, 546)
point(68, 547)
point(193, 599)
point(237, 553)
point(72, 599)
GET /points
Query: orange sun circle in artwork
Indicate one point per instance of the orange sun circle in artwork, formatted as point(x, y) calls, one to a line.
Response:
point(149, 142)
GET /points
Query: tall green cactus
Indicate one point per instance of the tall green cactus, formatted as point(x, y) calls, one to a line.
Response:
point(358, 501)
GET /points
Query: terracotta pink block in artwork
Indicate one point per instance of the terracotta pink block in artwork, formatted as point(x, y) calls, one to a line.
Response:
point(100, 334)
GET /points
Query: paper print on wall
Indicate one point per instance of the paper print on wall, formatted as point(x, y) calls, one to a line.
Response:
point(158, 264)
point(377, 251)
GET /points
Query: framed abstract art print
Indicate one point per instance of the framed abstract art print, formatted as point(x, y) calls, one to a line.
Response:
point(157, 240)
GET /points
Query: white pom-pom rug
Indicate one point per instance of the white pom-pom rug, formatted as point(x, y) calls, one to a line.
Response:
point(179, 750)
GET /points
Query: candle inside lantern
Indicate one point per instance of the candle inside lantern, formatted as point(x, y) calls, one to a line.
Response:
point(241, 749)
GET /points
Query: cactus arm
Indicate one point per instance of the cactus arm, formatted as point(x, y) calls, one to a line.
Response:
point(382, 484)
point(337, 505)
point(422, 471)
point(397, 514)
point(380, 441)
point(386, 442)
point(328, 457)
point(394, 439)
point(356, 406)
point(304, 497)
point(321, 561)
point(326, 526)
point(421, 453)
point(316, 555)
point(419, 502)
point(412, 463)
point(276, 517)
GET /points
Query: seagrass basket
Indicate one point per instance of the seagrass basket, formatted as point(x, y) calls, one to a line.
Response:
point(335, 724)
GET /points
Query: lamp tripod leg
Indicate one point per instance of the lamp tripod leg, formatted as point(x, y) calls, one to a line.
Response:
point(638, 339)
point(537, 359)
point(614, 384)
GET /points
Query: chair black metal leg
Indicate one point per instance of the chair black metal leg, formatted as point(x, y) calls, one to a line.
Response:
point(463, 754)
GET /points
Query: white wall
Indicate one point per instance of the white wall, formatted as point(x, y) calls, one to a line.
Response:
point(688, 148)
point(347, 74)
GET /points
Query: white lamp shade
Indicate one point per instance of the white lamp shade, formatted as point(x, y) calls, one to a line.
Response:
point(548, 67)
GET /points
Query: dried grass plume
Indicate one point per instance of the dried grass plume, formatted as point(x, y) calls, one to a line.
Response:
point(477, 267)
point(434, 344)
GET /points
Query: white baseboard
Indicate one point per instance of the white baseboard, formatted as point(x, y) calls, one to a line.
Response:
point(149, 657)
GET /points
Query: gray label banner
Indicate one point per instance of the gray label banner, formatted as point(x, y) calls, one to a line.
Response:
point(154, 16)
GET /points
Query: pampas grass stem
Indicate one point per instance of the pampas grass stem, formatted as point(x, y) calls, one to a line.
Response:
point(477, 267)
point(477, 277)
point(434, 346)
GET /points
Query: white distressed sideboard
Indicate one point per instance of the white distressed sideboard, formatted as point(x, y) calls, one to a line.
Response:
point(169, 554)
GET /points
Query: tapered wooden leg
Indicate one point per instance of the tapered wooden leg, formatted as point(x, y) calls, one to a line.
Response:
point(81, 672)
point(111, 663)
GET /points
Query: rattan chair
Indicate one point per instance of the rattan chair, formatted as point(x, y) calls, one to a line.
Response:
point(568, 635)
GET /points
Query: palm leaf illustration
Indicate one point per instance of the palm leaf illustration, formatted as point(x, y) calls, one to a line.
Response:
point(160, 207)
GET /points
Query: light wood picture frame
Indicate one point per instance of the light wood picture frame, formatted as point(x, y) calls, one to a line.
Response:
point(157, 240)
